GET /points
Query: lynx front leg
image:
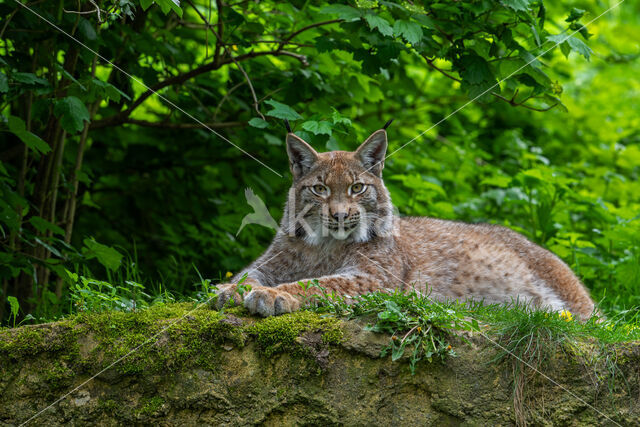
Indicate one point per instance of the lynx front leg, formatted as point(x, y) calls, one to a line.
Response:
point(229, 292)
point(271, 301)
point(287, 297)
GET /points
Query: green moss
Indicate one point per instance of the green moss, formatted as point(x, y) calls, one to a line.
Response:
point(20, 342)
point(109, 406)
point(237, 310)
point(280, 334)
point(59, 375)
point(164, 338)
point(31, 340)
point(151, 406)
point(167, 337)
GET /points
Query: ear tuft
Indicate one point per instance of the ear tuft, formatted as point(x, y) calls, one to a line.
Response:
point(372, 152)
point(301, 155)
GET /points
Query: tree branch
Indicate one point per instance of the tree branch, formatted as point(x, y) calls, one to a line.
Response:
point(511, 101)
point(308, 27)
point(522, 104)
point(440, 70)
point(216, 64)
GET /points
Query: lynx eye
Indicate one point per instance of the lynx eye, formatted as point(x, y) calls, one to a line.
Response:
point(357, 188)
point(319, 190)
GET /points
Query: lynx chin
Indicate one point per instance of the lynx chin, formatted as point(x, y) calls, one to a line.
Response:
point(339, 227)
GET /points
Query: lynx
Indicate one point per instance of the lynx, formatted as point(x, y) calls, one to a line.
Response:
point(339, 227)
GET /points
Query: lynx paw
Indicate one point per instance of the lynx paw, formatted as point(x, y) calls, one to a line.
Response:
point(270, 302)
point(225, 293)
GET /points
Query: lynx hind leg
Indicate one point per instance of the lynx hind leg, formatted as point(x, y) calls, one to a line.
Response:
point(270, 301)
point(226, 293)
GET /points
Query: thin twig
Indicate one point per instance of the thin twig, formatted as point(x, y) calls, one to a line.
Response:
point(521, 104)
point(225, 97)
point(308, 27)
point(88, 12)
point(511, 101)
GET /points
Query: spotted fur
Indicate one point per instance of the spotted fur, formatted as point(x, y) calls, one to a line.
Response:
point(354, 244)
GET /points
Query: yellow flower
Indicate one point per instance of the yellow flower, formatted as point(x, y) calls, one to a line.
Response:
point(449, 347)
point(229, 274)
point(234, 47)
point(566, 315)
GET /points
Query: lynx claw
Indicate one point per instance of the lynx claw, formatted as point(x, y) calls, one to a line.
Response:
point(226, 293)
point(270, 302)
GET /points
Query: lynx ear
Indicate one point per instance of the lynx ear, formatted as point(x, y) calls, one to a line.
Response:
point(371, 152)
point(301, 155)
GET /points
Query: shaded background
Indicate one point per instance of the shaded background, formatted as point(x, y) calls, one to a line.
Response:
point(112, 197)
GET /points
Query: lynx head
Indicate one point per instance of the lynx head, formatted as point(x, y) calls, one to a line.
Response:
point(339, 195)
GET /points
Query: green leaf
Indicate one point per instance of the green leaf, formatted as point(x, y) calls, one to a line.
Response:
point(411, 31)
point(581, 29)
point(16, 124)
point(72, 113)
point(345, 12)
point(575, 14)
point(517, 5)
point(338, 118)
point(168, 5)
point(68, 75)
point(257, 122)
point(397, 352)
point(4, 83)
point(87, 30)
point(50, 248)
point(475, 69)
point(34, 142)
point(282, 111)
point(579, 46)
point(332, 144)
point(516, 66)
point(497, 181)
point(109, 91)
point(380, 23)
point(107, 256)
point(317, 128)
point(570, 43)
point(31, 140)
point(425, 21)
point(15, 305)
point(272, 139)
point(145, 4)
point(557, 38)
point(43, 225)
point(29, 79)
point(552, 100)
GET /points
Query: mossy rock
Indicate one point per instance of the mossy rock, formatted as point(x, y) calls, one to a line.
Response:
point(209, 368)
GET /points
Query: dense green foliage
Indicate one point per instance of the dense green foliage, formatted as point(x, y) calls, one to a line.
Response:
point(104, 178)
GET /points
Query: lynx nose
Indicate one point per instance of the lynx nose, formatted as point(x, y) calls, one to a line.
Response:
point(340, 216)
